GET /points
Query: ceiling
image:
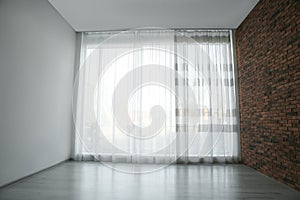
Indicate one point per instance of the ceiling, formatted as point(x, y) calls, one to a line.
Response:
point(96, 15)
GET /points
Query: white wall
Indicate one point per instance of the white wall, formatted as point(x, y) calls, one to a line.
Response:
point(37, 49)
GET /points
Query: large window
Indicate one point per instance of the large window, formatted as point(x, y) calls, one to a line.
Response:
point(156, 96)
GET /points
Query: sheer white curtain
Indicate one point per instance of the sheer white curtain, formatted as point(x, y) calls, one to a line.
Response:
point(156, 96)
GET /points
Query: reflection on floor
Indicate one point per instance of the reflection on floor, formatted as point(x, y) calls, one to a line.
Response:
point(92, 180)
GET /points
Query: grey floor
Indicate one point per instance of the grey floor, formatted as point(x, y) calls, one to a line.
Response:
point(92, 180)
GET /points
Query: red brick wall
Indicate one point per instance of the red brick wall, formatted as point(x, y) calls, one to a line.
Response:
point(268, 53)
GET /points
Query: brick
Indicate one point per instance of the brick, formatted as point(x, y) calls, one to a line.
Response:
point(268, 55)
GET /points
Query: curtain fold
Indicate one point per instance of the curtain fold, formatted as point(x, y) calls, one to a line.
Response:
point(156, 96)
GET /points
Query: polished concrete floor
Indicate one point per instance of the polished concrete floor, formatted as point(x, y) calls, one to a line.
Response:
point(92, 180)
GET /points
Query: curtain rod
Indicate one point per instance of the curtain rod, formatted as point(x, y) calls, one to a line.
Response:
point(159, 28)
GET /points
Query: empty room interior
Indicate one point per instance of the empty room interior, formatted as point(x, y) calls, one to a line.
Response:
point(157, 99)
